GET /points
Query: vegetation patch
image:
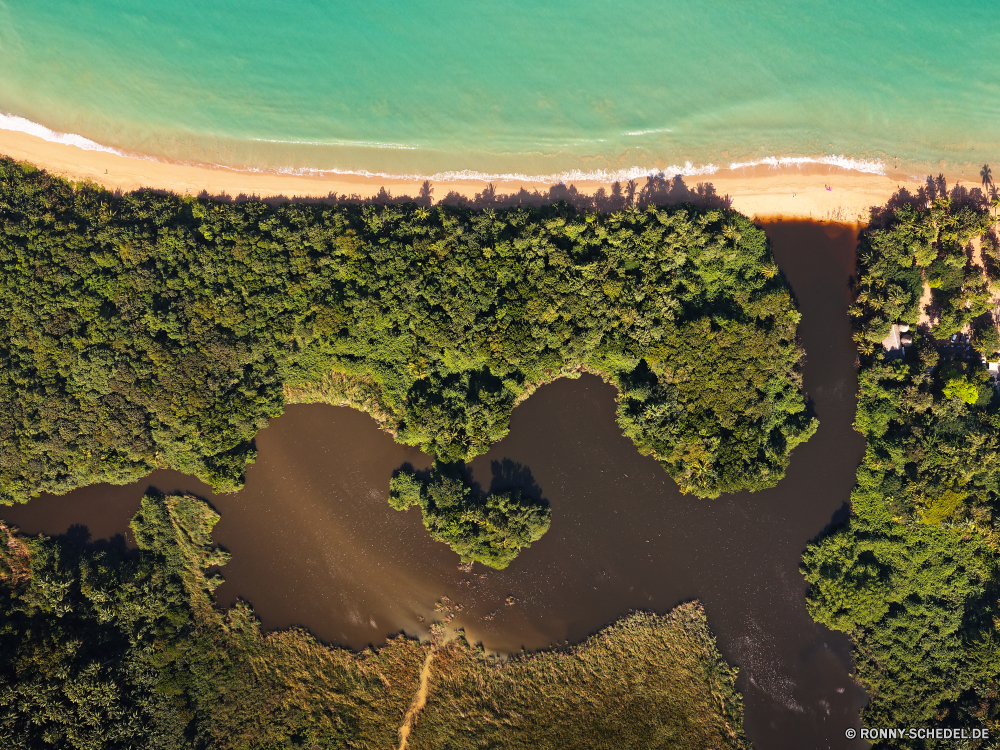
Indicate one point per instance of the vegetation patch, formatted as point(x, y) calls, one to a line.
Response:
point(645, 682)
point(112, 648)
point(913, 575)
point(490, 529)
point(104, 647)
point(146, 330)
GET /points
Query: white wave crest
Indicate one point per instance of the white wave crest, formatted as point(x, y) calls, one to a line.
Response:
point(24, 125)
point(471, 175)
point(868, 166)
point(648, 132)
point(355, 144)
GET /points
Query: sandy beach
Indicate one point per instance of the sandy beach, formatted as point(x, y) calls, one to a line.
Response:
point(817, 192)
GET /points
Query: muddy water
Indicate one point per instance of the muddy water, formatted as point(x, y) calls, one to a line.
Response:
point(315, 544)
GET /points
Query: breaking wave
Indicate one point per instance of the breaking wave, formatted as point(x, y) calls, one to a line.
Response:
point(868, 166)
point(24, 125)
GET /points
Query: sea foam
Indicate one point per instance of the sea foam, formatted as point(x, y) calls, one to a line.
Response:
point(868, 166)
point(356, 144)
point(572, 175)
point(648, 132)
point(24, 125)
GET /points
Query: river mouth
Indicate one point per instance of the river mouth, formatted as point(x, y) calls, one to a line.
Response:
point(315, 544)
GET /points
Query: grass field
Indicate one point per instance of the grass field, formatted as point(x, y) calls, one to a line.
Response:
point(103, 647)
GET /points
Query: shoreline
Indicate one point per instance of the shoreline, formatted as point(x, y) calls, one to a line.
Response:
point(804, 191)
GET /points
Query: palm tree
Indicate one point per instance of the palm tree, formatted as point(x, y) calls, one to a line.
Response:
point(942, 185)
point(987, 174)
point(425, 193)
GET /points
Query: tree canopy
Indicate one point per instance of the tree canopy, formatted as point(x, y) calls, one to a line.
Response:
point(487, 528)
point(105, 648)
point(921, 247)
point(912, 576)
point(144, 330)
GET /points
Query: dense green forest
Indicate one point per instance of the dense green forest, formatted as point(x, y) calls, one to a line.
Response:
point(914, 575)
point(487, 528)
point(141, 331)
point(107, 648)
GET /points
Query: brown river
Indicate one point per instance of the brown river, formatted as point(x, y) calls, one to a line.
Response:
point(314, 542)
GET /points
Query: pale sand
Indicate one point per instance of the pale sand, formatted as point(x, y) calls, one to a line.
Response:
point(762, 192)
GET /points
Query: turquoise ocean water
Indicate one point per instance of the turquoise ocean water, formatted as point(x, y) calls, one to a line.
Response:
point(533, 87)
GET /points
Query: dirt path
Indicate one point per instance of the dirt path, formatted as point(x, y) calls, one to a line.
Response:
point(419, 700)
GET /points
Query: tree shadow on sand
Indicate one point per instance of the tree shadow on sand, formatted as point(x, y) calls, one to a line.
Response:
point(656, 190)
point(932, 189)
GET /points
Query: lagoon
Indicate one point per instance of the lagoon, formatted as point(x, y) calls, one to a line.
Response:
point(315, 543)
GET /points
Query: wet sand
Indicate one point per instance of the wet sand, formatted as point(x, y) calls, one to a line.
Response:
point(792, 192)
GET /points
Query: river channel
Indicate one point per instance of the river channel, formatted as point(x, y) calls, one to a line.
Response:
point(315, 544)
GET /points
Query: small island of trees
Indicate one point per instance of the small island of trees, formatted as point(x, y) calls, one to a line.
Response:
point(490, 529)
point(104, 647)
